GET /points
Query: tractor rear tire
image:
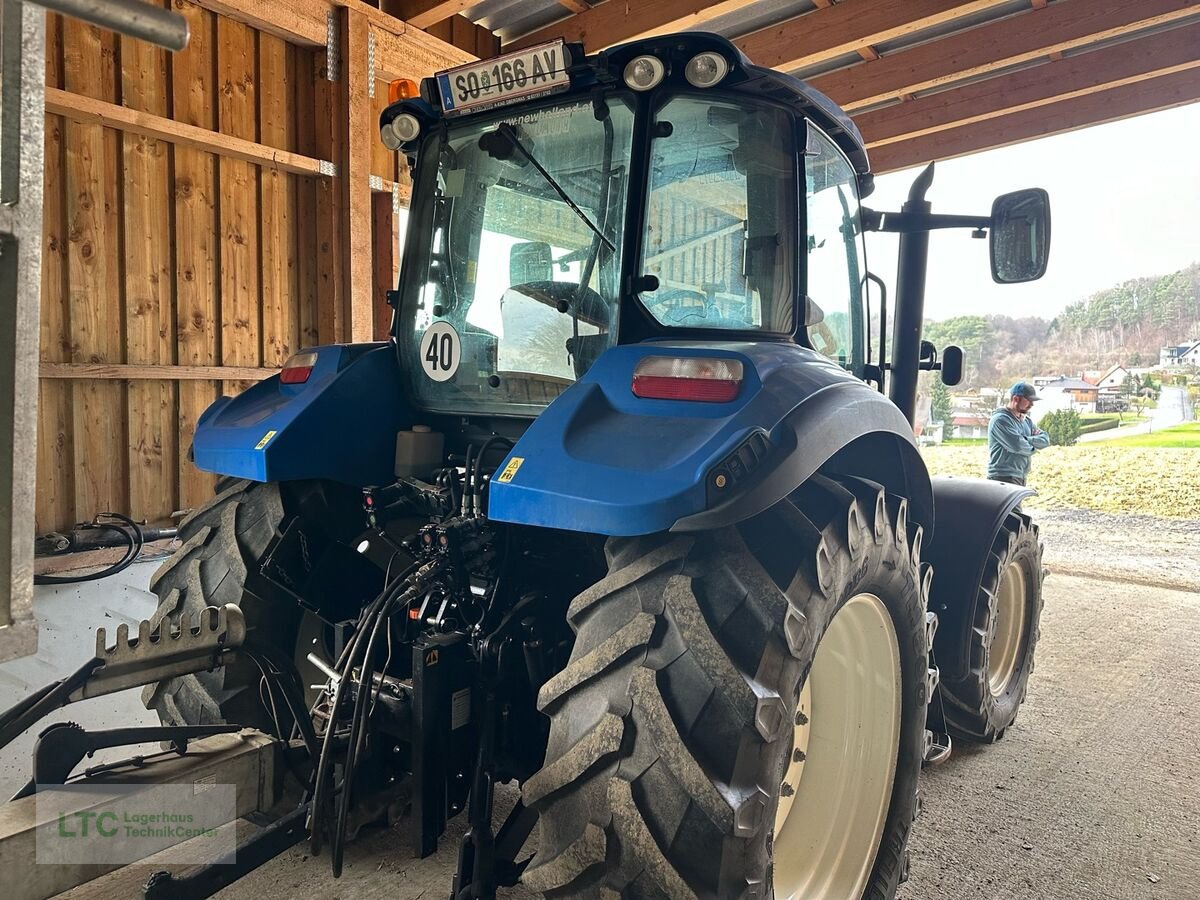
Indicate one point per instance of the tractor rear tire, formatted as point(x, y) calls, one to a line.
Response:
point(1003, 636)
point(223, 542)
point(676, 726)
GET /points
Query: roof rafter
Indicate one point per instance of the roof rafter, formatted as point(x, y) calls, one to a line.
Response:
point(617, 20)
point(1134, 99)
point(1163, 53)
point(423, 13)
point(1025, 36)
point(832, 31)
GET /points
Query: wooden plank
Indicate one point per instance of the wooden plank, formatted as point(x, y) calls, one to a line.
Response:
point(149, 301)
point(152, 372)
point(1163, 53)
point(423, 13)
point(299, 22)
point(836, 30)
point(355, 175)
point(327, 235)
point(383, 160)
point(413, 54)
point(197, 241)
point(55, 450)
point(238, 191)
point(611, 23)
point(384, 254)
point(98, 112)
point(400, 51)
point(1128, 100)
point(1025, 36)
point(306, 200)
point(277, 128)
point(94, 258)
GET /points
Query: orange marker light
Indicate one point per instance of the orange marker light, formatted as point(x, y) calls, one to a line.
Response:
point(403, 89)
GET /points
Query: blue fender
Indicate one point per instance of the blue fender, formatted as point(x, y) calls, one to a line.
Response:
point(601, 460)
point(970, 513)
point(333, 426)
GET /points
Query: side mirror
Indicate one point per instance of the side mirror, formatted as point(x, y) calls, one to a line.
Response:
point(530, 262)
point(1020, 236)
point(952, 365)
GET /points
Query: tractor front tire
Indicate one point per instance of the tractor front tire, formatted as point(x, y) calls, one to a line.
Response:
point(1003, 634)
point(743, 714)
point(223, 542)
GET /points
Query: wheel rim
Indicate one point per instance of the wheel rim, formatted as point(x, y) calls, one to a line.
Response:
point(1008, 630)
point(837, 790)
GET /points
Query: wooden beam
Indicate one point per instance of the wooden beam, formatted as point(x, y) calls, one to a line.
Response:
point(1123, 102)
point(575, 6)
point(88, 111)
point(401, 51)
point(1162, 53)
point(619, 20)
point(299, 21)
point(423, 13)
point(834, 31)
point(355, 174)
point(1026, 36)
point(90, 371)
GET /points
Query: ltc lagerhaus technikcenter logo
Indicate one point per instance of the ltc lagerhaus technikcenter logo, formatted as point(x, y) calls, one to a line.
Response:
point(113, 823)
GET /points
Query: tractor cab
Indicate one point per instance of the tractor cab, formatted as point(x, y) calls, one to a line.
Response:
point(665, 190)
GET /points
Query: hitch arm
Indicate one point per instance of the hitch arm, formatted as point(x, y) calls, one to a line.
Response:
point(62, 746)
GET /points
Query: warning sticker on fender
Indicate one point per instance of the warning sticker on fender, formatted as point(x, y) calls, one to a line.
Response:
point(511, 469)
point(266, 439)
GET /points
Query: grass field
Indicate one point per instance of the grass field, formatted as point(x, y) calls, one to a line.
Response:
point(1180, 436)
point(1113, 476)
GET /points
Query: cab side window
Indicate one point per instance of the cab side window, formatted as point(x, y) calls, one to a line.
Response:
point(834, 319)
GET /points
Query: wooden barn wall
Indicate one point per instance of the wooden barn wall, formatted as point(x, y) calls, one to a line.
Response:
point(164, 253)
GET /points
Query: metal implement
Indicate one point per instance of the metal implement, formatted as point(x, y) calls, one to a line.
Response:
point(248, 760)
point(277, 837)
point(130, 17)
point(63, 745)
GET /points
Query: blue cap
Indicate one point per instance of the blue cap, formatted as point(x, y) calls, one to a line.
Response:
point(1023, 389)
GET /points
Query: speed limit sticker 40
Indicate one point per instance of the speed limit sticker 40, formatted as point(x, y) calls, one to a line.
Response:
point(441, 351)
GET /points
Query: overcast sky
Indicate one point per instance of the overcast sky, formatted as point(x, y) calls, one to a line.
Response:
point(1124, 199)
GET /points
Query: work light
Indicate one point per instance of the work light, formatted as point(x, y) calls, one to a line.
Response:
point(644, 72)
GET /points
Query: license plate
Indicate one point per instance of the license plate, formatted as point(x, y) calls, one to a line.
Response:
point(505, 79)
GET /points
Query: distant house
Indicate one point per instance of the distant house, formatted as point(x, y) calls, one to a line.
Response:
point(1070, 393)
point(1187, 354)
point(1113, 378)
point(969, 425)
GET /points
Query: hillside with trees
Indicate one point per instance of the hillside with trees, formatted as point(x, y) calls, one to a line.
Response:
point(1125, 324)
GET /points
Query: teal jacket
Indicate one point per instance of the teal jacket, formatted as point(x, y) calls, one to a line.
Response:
point(1011, 444)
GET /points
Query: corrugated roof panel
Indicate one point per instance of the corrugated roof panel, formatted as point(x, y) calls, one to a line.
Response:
point(754, 16)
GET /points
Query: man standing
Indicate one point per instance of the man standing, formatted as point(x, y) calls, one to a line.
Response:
point(1013, 438)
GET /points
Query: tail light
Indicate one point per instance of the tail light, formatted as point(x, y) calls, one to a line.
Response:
point(707, 379)
point(297, 369)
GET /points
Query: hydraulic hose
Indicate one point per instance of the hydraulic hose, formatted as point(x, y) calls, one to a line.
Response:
point(135, 542)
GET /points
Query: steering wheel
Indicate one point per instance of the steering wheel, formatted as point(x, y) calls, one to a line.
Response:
point(666, 308)
point(589, 305)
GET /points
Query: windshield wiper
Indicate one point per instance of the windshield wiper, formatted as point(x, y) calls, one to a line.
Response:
point(510, 134)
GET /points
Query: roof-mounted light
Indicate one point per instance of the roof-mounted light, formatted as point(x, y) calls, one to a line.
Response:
point(403, 89)
point(706, 69)
point(400, 130)
point(642, 73)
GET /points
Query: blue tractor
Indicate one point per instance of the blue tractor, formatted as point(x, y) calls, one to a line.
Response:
point(629, 510)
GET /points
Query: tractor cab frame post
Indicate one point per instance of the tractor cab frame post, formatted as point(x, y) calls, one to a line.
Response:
point(913, 223)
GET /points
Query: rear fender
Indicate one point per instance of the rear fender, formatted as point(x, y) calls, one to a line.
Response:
point(339, 425)
point(970, 513)
point(602, 460)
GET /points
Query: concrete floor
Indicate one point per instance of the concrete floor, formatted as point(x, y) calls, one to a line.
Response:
point(1090, 795)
